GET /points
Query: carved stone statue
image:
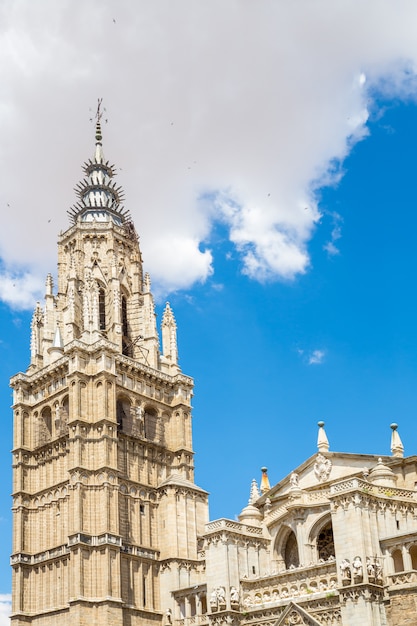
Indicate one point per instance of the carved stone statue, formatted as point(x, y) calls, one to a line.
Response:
point(294, 480)
point(373, 568)
point(345, 570)
point(357, 568)
point(221, 595)
point(234, 595)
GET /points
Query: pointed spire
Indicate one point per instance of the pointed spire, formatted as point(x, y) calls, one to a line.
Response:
point(322, 441)
point(98, 189)
point(265, 486)
point(397, 448)
point(57, 348)
point(169, 335)
point(49, 285)
point(168, 318)
point(58, 343)
point(147, 283)
point(99, 156)
point(254, 492)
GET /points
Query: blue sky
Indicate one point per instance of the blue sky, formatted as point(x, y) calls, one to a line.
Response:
point(276, 205)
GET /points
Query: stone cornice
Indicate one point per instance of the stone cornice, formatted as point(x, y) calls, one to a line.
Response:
point(140, 368)
point(45, 373)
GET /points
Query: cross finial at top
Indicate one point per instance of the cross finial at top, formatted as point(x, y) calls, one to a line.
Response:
point(99, 115)
point(99, 112)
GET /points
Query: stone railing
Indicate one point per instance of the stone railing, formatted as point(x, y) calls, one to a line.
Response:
point(227, 524)
point(295, 583)
point(47, 555)
point(155, 374)
point(402, 578)
point(195, 620)
point(375, 490)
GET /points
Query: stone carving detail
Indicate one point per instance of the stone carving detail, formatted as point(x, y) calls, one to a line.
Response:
point(294, 480)
point(346, 571)
point(322, 468)
point(90, 302)
point(357, 569)
point(374, 570)
point(234, 596)
point(294, 618)
point(218, 599)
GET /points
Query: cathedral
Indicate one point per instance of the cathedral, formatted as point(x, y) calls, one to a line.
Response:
point(109, 527)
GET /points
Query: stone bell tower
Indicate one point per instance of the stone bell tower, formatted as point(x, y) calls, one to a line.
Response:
point(106, 512)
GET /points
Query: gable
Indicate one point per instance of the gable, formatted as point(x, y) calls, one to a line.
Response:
point(294, 615)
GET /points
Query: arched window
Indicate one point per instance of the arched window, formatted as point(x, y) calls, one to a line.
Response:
point(397, 557)
point(101, 309)
point(122, 412)
point(291, 552)
point(325, 543)
point(45, 426)
point(127, 344)
point(413, 555)
point(151, 423)
point(47, 419)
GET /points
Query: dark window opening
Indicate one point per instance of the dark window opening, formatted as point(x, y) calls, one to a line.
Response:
point(291, 552)
point(398, 561)
point(120, 414)
point(102, 309)
point(325, 543)
point(126, 343)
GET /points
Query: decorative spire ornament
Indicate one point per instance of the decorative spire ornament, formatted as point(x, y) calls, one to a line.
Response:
point(265, 486)
point(98, 190)
point(397, 448)
point(322, 441)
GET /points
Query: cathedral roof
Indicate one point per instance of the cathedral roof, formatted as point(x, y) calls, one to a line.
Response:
point(179, 481)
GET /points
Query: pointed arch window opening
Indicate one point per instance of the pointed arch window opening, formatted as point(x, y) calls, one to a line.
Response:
point(126, 341)
point(102, 310)
point(291, 557)
point(325, 543)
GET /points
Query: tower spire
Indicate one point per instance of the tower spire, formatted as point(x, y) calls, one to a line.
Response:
point(99, 156)
point(100, 198)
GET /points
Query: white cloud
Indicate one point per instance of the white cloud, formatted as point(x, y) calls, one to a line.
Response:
point(5, 609)
point(335, 235)
point(20, 290)
point(254, 105)
point(316, 357)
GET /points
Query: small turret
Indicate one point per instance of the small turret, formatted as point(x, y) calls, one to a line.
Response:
point(382, 475)
point(251, 515)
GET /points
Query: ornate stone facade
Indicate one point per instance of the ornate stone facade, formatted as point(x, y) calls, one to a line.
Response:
point(109, 526)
